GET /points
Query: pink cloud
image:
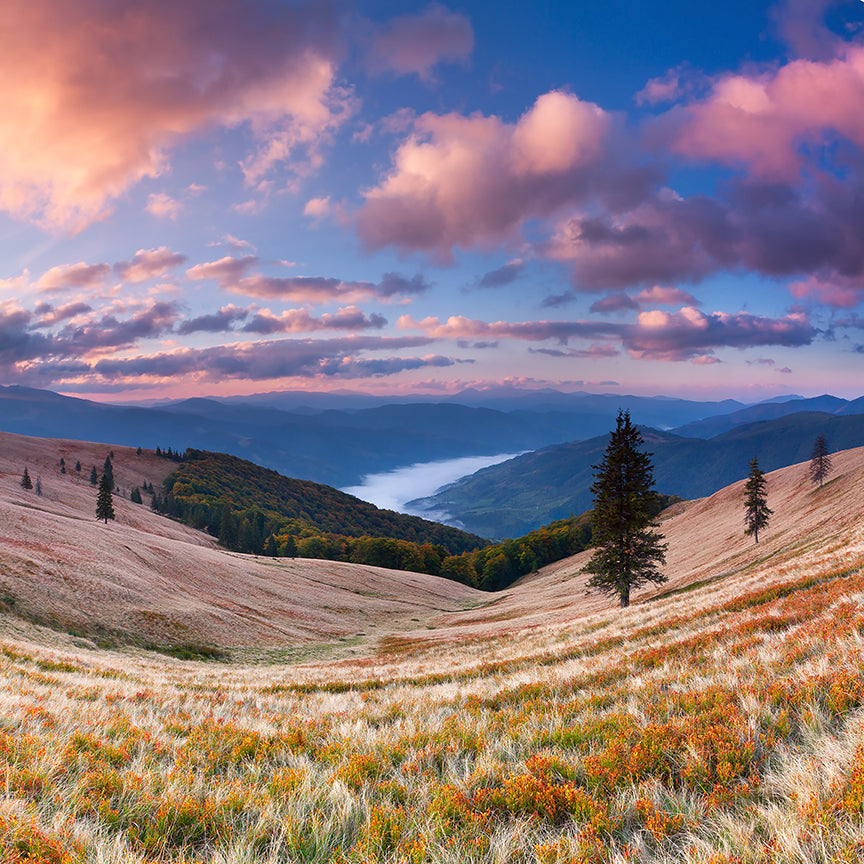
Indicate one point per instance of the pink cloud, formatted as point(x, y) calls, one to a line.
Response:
point(301, 321)
point(73, 276)
point(762, 120)
point(836, 291)
point(163, 206)
point(231, 273)
point(463, 181)
point(666, 296)
point(656, 335)
point(414, 44)
point(687, 333)
point(226, 269)
point(145, 76)
point(148, 264)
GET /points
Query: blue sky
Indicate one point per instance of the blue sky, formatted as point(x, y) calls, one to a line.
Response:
point(216, 197)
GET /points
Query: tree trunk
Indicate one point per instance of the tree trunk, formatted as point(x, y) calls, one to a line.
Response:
point(625, 599)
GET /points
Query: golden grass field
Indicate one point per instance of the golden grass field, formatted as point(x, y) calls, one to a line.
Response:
point(718, 719)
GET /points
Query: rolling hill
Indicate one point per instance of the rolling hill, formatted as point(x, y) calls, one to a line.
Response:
point(715, 720)
point(516, 496)
point(149, 580)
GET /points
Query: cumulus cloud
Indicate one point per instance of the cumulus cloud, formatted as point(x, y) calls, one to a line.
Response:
point(415, 44)
point(50, 315)
point(763, 120)
point(689, 332)
point(148, 75)
point(148, 264)
point(317, 208)
point(773, 229)
point(466, 181)
point(163, 206)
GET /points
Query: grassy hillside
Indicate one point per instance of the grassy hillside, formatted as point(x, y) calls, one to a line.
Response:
point(513, 497)
point(715, 722)
point(151, 581)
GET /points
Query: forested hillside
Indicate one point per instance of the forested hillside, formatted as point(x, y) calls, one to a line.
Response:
point(508, 499)
point(256, 510)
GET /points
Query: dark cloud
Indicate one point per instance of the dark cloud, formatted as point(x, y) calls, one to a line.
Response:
point(301, 321)
point(505, 275)
point(618, 302)
point(283, 358)
point(109, 332)
point(414, 44)
point(394, 284)
point(218, 322)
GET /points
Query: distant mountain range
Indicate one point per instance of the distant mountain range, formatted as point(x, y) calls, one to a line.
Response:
point(318, 440)
point(514, 497)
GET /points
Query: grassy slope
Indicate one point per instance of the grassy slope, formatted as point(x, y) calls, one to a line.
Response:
point(718, 724)
point(148, 579)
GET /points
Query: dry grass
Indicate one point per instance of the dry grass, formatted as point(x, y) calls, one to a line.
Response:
point(719, 724)
point(149, 580)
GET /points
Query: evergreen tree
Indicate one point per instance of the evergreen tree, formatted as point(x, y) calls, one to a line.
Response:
point(627, 551)
point(62, 465)
point(138, 452)
point(104, 501)
point(290, 546)
point(135, 496)
point(270, 548)
point(78, 466)
point(756, 512)
point(108, 471)
point(820, 461)
point(26, 482)
point(94, 477)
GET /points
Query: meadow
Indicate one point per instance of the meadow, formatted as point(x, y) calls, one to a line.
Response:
point(716, 721)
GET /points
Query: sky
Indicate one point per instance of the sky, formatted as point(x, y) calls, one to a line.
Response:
point(218, 197)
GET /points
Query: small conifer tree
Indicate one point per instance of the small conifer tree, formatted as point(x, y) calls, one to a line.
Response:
point(135, 495)
point(628, 551)
point(820, 461)
point(94, 477)
point(78, 466)
point(62, 465)
point(104, 500)
point(756, 512)
point(26, 482)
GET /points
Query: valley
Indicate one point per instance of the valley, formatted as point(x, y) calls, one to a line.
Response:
point(715, 720)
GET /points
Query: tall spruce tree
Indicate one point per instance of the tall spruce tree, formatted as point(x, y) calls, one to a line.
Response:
point(820, 461)
point(104, 500)
point(108, 471)
point(627, 549)
point(756, 512)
